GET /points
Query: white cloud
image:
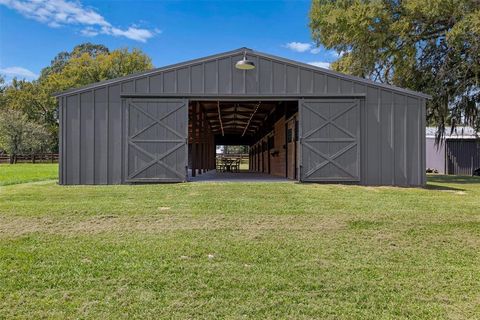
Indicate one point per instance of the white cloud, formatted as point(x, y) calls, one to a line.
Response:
point(134, 33)
point(321, 64)
point(58, 13)
point(298, 46)
point(302, 47)
point(89, 32)
point(18, 72)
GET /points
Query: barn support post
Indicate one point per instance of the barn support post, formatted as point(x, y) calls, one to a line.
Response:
point(214, 153)
point(194, 141)
point(253, 158)
point(205, 142)
point(210, 148)
point(258, 157)
point(202, 141)
point(263, 156)
point(198, 164)
point(209, 153)
point(254, 167)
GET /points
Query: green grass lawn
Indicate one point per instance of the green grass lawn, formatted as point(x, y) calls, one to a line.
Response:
point(25, 172)
point(240, 250)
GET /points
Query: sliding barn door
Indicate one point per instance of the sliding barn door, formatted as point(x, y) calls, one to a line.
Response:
point(157, 131)
point(329, 140)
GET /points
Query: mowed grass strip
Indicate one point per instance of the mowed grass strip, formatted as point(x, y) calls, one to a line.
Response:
point(240, 250)
point(24, 172)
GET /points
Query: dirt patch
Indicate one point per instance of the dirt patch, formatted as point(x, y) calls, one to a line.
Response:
point(18, 226)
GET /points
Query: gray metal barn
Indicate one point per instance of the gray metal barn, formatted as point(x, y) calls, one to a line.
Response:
point(301, 122)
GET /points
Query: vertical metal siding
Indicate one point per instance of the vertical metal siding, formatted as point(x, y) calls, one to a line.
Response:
point(86, 138)
point(183, 79)
point(265, 76)
point(251, 78)
point(72, 131)
point(224, 76)
point(141, 85)
point(435, 155)
point(392, 125)
point(400, 139)
point(114, 135)
point(462, 156)
point(60, 140)
point(421, 103)
point(306, 81)
point(101, 136)
point(386, 138)
point(372, 155)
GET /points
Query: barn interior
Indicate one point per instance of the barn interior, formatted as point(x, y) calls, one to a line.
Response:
point(269, 128)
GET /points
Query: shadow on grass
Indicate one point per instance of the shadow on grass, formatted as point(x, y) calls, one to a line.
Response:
point(441, 188)
point(453, 179)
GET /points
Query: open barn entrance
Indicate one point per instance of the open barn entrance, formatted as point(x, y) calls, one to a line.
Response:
point(267, 130)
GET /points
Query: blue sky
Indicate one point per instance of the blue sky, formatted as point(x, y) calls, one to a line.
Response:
point(32, 32)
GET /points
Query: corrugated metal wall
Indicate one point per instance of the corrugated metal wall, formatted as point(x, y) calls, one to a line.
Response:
point(91, 137)
point(435, 155)
point(393, 122)
point(462, 156)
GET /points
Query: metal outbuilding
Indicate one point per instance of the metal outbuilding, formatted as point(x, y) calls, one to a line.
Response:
point(458, 152)
point(300, 121)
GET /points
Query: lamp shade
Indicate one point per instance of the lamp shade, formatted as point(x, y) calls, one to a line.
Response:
point(245, 64)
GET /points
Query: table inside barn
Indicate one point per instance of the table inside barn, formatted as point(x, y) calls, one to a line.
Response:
point(227, 164)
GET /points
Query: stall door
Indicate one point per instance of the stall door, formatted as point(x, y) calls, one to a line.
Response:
point(157, 131)
point(329, 140)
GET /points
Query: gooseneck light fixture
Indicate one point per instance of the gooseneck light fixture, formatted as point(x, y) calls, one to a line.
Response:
point(245, 64)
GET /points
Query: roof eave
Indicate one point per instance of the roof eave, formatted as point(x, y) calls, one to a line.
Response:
point(344, 76)
point(149, 72)
point(236, 51)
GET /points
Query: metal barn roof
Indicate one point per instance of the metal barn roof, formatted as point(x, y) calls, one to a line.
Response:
point(249, 52)
point(458, 133)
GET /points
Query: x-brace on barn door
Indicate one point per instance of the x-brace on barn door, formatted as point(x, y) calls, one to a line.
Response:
point(330, 140)
point(156, 147)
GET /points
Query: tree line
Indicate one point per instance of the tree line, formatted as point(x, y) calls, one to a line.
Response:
point(28, 110)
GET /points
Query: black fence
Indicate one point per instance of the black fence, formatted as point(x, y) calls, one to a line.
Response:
point(30, 158)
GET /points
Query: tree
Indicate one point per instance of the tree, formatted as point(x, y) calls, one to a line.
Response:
point(85, 64)
point(430, 46)
point(35, 101)
point(18, 135)
point(235, 149)
point(85, 69)
point(61, 59)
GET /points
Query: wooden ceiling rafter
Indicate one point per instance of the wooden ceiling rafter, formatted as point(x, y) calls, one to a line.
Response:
point(220, 118)
point(242, 118)
point(251, 117)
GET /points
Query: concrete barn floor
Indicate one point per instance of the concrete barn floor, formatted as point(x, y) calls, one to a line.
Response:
point(242, 176)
